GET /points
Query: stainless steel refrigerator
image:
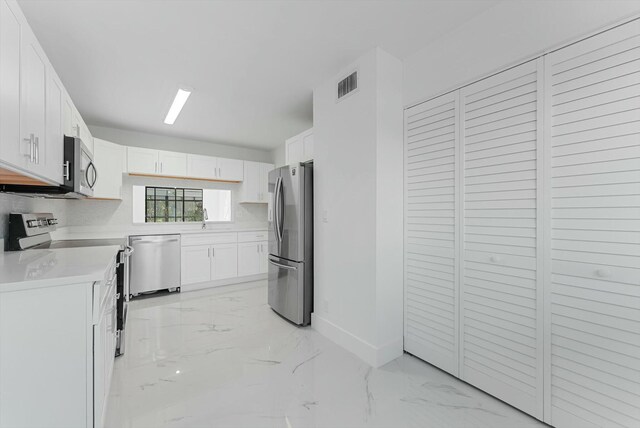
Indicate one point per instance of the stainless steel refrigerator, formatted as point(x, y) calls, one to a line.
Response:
point(291, 242)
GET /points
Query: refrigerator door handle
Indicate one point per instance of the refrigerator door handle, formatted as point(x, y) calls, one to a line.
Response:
point(282, 266)
point(275, 208)
point(281, 214)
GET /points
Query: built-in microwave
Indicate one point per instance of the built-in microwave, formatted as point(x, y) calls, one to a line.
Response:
point(79, 175)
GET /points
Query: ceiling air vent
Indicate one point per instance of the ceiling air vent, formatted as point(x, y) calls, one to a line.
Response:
point(348, 84)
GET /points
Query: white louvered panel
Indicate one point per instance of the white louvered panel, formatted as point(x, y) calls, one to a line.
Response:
point(431, 314)
point(592, 117)
point(501, 308)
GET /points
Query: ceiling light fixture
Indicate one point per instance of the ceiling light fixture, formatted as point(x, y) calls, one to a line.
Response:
point(176, 106)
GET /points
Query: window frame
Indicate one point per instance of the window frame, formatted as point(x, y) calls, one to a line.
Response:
point(166, 219)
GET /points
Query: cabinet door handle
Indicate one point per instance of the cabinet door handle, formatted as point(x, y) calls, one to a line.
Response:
point(213, 252)
point(37, 150)
point(30, 141)
point(160, 167)
point(155, 168)
point(209, 252)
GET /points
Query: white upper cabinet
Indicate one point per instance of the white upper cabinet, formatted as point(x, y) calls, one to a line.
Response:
point(109, 160)
point(256, 180)
point(230, 169)
point(172, 164)
point(35, 111)
point(12, 149)
point(299, 148)
point(592, 176)
point(33, 76)
point(74, 125)
point(199, 166)
point(213, 168)
point(142, 161)
point(53, 151)
point(156, 162)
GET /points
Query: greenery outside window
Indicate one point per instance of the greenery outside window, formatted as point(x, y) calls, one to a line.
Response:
point(170, 204)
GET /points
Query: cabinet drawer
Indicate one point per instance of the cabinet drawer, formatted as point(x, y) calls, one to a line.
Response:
point(209, 238)
point(260, 235)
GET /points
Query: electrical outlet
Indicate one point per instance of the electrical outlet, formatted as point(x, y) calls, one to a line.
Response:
point(325, 216)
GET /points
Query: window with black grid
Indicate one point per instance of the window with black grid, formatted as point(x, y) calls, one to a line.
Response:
point(169, 204)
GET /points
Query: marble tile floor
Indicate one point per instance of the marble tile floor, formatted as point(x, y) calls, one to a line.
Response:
point(223, 358)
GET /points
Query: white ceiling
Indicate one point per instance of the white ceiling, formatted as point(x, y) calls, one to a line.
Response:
point(252, 64)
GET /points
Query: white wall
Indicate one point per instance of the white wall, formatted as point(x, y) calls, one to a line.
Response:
point(165, 142)
point(278, 155)
point(358, 277)
point(506, 34)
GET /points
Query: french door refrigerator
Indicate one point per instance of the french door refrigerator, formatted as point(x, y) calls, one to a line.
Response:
point(291, 242)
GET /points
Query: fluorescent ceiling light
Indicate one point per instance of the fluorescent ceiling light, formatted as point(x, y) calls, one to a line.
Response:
point(176, 107)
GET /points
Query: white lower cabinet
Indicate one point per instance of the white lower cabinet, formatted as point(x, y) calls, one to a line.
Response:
point(220, 258)
point(209, 257)
point(224, 261)
point(252, 259)
point(56, 367)
point(196, 264)
point(104, 348)
point(522, 235)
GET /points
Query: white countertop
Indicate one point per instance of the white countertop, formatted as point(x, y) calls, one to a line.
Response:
point(66, 233)
point(45, 268)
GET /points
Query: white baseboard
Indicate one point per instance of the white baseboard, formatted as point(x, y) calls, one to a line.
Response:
point(374, 356)
point(222, 282)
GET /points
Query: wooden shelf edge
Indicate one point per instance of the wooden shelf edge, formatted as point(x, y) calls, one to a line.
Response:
point(137, 174)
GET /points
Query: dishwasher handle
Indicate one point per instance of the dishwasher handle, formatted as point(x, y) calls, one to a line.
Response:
point(156, 242)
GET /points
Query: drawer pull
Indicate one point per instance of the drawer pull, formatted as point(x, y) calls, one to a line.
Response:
point(603, 273)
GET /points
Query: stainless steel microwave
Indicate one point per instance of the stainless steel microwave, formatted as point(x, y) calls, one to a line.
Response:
point(80, 175)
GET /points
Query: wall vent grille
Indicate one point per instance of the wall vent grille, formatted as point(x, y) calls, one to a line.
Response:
point(348, 84)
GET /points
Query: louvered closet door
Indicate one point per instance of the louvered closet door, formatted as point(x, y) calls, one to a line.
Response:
point(593, 114)
point(430, 237)
point(501, 300)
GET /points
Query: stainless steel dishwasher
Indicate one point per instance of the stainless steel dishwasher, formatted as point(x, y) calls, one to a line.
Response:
point(154, 264)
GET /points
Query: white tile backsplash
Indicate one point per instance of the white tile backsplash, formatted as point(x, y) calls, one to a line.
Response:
point(23, 204)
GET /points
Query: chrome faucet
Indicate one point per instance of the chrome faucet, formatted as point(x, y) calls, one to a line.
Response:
point(205, 217)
